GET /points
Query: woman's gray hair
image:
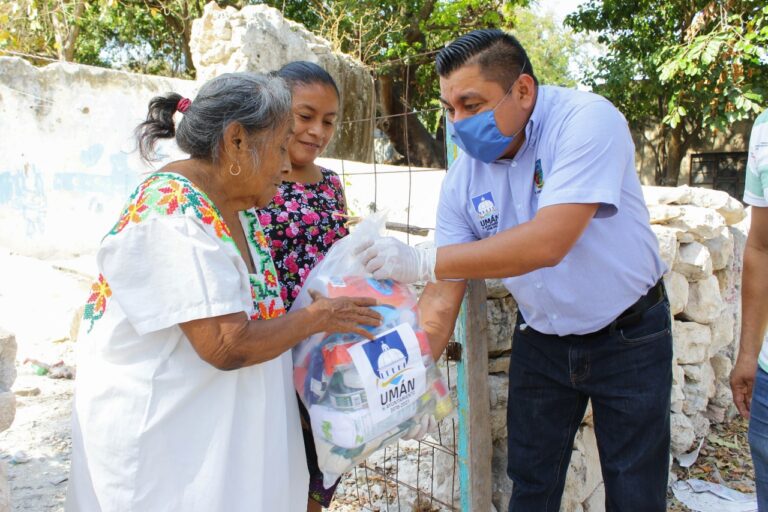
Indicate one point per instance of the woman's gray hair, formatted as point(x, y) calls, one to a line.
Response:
point(258, 102)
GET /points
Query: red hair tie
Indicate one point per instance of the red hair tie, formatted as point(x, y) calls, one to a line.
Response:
point(183, 105)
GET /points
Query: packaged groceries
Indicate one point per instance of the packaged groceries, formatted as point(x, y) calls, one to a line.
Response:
point(364, 394)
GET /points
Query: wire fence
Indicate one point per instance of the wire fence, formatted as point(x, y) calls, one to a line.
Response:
point(424, 475)
point(418, 476)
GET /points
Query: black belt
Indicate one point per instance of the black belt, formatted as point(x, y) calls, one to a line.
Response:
point(634, 313)
point(631, 316)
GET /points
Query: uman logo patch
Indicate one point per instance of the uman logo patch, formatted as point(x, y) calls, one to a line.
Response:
point(486, 211)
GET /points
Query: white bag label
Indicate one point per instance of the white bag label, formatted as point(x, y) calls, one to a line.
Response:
point(392, 371)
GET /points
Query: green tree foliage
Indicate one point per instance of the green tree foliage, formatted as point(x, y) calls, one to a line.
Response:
point(551, 48)
point(691, 65)
point(41, 27)
point(397, 39)
point(147, 36)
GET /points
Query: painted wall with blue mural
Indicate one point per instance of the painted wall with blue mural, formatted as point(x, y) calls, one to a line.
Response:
point(67, 156)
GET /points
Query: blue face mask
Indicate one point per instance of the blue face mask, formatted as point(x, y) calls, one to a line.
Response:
point(480, 137)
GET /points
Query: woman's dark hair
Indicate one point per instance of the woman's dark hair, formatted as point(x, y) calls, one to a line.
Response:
point(499, 55)
point(301, 72)
point(258, 102)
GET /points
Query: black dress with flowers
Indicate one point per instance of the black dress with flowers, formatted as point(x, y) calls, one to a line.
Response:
point(301, 223)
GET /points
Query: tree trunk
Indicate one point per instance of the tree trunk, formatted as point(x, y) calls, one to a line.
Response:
point(65, 31)
point(676, 148)
point(186, 37)
point(406, 132)
point(74, 31)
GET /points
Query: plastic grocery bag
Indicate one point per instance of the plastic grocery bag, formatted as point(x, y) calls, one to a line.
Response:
point(365, 394)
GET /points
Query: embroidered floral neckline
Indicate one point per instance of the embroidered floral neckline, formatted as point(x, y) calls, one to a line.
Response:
point(166, 194)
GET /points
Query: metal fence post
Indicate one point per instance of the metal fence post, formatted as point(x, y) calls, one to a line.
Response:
point(475, 444)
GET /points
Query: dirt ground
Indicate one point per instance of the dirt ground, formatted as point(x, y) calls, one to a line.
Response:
point(36, 448)
point(724, 459)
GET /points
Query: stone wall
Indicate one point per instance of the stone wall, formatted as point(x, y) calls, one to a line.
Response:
point(701, 237)
point(7, 404)
point(258, 38)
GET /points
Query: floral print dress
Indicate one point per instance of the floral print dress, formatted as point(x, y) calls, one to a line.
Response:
point(302, 222)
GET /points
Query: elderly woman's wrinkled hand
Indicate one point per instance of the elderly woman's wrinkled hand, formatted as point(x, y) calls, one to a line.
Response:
point(344, 314)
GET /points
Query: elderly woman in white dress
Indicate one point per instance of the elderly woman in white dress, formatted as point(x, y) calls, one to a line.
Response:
point(184, 398)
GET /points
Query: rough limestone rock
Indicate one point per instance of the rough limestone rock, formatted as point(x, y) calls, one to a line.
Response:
point(667, 238)
point(7, 377)
point(704, 301)
point(684, 237)
point(700, 425)
point(5, 489)
point(720, 248)
point(729, 207)
point(498, 387)
point(662, 214)
point(723, 330)
point(666, 195)
point(502, 485)
point(699, 387)
point(691, 342)
point(703, 374)
point(7, 404)
point(677, 291)
point(7, 409)
point(496, 289)
point(723, 400)
point(596, 502)
point(7, 360)
point(498, 364)
point(702, 223)
point(722, 367)
point(678, 381)
point(584, 474)
point(682, 433)
point(258, 38)
point(693, 261)
point(501, 324)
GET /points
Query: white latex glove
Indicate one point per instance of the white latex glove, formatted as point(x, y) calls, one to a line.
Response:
point(421, 428)
point(389, 258)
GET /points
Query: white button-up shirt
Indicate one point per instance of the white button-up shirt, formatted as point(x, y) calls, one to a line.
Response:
point(578, 149)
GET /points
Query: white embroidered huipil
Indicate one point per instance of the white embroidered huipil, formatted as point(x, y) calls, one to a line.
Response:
point(156, 428)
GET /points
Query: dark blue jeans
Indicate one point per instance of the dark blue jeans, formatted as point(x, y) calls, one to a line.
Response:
point(758, 437)
point(627, 374)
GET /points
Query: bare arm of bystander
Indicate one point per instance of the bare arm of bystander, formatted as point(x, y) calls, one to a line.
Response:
point(754, 306)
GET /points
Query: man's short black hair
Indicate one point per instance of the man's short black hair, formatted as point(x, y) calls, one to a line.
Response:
point(500, 56)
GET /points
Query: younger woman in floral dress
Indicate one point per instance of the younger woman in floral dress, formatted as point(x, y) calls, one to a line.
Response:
point(307, 215)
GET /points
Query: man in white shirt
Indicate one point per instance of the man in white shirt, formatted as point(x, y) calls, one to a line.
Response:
point(749, 380)
point(545, 195)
